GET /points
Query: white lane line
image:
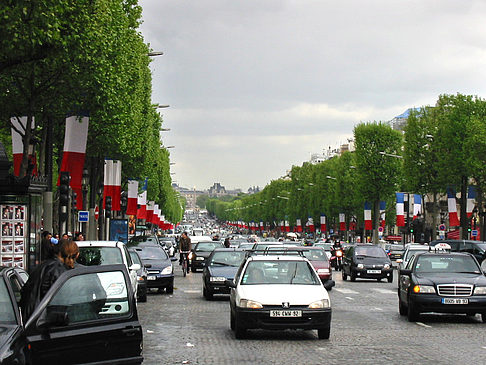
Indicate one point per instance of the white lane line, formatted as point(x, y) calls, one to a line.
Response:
point(423, 325)
point(483, 347)
point(345, 291)
point(349, 298)
point(192, 291)
point(385, 291)
point(377, 309)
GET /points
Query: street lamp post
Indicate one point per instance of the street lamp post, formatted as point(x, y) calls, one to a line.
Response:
point(84, 186)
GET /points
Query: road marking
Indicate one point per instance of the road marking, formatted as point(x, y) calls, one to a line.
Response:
point(192, 291)
point(484, 347)
point(377, 309)
point(349, 298)
point(346, 291)
point(423, 325)
point(385, 291)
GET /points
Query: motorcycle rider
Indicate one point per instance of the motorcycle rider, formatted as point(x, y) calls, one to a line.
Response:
point(337, 259)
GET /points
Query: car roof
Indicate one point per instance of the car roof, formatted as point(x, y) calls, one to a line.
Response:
point(99, 243)
point(219, 249)
point(277, 258)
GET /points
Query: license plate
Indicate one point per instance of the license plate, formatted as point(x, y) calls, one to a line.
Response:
point(455, 301)
point(373, 271)
point(199, 258)
point(151, 278)
point(289, 313)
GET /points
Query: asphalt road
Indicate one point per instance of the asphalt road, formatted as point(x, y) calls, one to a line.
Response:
point(366, 328)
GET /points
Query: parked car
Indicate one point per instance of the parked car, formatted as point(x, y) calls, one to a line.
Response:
point(159, 266)
point(71, 321)
point(142, 275)
point(200, 253)
point(445, 282)
point(367, 261)
point(476, 248)
point(222, 265)
point(108, 253)
point(278, 292)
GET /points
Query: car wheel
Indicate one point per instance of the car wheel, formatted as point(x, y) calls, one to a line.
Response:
point(402, 308)
point(143, 298)
point(483, 317)
point(324, 333)
point(207, 294)
point(160, 290)
point(193, 269)
point(345, 277)
point(378, 280)
point(240, 330)
point(412, 313)
point(390, 279)
point(232, 320)
point(170, 289)
point(353, 276)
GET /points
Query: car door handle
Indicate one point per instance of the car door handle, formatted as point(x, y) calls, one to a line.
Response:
point(130, 331)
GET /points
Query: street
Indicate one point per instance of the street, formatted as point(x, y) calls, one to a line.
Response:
point(184, 328)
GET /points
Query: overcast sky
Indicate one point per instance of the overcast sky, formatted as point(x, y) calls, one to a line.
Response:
point(256, 86)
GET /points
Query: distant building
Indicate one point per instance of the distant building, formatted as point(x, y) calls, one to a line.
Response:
point(217, 190)
point(317, 158)
point(253, 189)
point(400, 121)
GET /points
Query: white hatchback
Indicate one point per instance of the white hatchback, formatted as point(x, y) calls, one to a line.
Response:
point(279, 292)
point(108, 253)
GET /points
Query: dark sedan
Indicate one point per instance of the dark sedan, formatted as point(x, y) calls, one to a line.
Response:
point(367, 261)
point(222, 265)
point(89, 315)
point(142, 275)
point(200, 253)
point(442, 283)
point(159, 266)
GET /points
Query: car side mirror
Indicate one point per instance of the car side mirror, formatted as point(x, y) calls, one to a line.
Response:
point(135, 267)
point(329, 284)
point(147, 266)
point(230, 283)
point(405, 272)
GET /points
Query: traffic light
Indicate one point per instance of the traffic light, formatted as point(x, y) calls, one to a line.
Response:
point(63, 195)
point(75, 201)
point(108, 207)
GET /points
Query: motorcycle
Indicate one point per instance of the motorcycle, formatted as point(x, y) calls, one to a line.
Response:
point(337, 259)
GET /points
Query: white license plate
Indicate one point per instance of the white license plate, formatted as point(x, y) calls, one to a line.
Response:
point(288, 313)
point(151, 278)
point(199, 258)
point(455, 301)
point(373, 271)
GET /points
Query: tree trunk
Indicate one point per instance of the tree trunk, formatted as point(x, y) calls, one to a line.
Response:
point(463, 203)
point(376, 220)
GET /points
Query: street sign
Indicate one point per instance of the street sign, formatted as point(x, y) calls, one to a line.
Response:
point(474, 233)
point(380, 229)
point(442, 227)
point(83, 216)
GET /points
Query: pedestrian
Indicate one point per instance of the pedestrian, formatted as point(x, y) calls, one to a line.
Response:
point(46, 250)
point(227, 242)
point(62, 258)
point(78, 236)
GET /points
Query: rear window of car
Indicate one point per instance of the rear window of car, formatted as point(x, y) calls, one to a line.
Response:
point(227, 258)
point(279, 272)
point(7, 314)
point(207, 246)
point(370, 251)
point(152, 253)
point(90, 256)
point(315, 255)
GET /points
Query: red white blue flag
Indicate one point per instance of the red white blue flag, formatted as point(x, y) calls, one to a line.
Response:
point(367, 216)
point(400, 209)
point(471, 199)
point(451, 204)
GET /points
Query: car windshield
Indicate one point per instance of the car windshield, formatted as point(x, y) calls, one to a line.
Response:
point(227, 258)
point(370, 251)
point(279, 272)
point(207, 246)
point(90, 256)
point(7, 314)
point(152, 253)
point(446, 264)
point(315, 255)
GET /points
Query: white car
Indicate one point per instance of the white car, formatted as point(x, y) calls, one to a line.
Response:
point(410, 251)
point(108, 253)
point(279, 292)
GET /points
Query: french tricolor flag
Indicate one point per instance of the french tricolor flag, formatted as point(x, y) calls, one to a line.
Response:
point(112, 183)
point(323, 223)
point(471, 198)
point(342, 221)
point(310, 223)
point(155, 215)
point(451, 203)
point(382, 213)
point(367, 216)
point(287, 226)
point(74, 153)
point(417, 205)
point(298, 222)
point(400, 209)
point(132, 197)
point(261, 226)
point(18, 144)
point(150, 211)
point(142, 202)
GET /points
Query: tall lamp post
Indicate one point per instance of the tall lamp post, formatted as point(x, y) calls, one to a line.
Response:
point(85, 186)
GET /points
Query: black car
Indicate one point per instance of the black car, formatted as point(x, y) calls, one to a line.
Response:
point(159, 266)
point(442, 283)
point(142, 275)
point(89, 315)
point(200, 253)
point(222, 265)
point(477, 248)
point(368, 262)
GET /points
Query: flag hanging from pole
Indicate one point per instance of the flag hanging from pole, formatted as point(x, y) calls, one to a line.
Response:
point(471, 197)
point(400, 209)
point(132, 197)
point(323, 223)
point(18, 144)
point(382, 214)
point(116, 197)
point(150, 211)
point(417, 205)
point(367, 216)
point(310, 223)
point(342, 222)
point(142, 203)
point(299, 225)
point(451, 204)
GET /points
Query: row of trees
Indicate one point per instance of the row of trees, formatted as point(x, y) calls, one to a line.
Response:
point(74, 56)
point(441, 146)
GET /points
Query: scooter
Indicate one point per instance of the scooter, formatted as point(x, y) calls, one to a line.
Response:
point(337, 259)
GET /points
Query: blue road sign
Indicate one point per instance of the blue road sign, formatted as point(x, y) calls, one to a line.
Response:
point(474, 233)
point(83, 216)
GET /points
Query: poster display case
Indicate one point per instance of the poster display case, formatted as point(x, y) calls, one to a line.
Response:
point(13, 235)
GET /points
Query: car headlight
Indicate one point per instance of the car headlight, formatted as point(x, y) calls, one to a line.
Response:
point(217, 278)
point(140, 278)
point(167, 270)
point(323, 303)
point(246, 303)
point(323, 271)
point(360, 266)
point(480, 290)
point(386, 266)
point(424, 289)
